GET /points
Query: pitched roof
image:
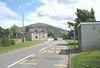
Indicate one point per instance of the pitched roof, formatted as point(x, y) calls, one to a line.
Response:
point(37, 30)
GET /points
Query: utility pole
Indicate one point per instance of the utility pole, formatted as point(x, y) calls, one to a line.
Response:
point(23, 21)
point(74, 35)
point(23, 27)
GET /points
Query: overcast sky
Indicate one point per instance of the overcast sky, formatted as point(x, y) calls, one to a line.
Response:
point(53, 12)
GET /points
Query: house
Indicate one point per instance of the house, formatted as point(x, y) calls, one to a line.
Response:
point(36, 34)
point(89, 36)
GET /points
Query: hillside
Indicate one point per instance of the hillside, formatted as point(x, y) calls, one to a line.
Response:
point(57, 31)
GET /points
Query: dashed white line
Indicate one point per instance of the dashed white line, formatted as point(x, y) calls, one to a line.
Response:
point(20, 60)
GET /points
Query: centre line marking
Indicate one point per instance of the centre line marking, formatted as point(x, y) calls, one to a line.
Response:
point(20, 60)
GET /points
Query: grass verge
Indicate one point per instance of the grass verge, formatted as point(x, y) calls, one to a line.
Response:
point(86, 60)
point(18, 46)
point(72, 44)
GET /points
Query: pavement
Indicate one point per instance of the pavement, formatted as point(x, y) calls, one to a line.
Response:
point(49, 54)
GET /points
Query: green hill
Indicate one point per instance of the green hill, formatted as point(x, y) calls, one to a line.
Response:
point(56, 30)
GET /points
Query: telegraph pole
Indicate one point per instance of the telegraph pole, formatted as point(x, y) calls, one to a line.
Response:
point(23, 21)
point(23, 27)
point(74, 35)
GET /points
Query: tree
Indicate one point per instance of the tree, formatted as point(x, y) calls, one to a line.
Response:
point(71, 32)
point(51, 33)
point(7, 33)
point(93, 14)
point(66, 36)
point(84, 16)
point(1, 32)
point(70, 25)
point(27, 28)
point(4, 37)
point(14, 31)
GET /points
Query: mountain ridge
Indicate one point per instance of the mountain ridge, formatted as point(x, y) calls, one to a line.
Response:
point(58, 31)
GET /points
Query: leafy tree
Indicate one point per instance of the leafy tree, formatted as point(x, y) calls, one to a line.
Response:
point(51, 33)
point(4, 33)
point(14, 31)
point(4, 37)
point(7, 33)
point(93, 15)
point(71, 32)
point(66, 36)
point(84, 16)
point(71, 25)
point(27, 28)
point(1, 32)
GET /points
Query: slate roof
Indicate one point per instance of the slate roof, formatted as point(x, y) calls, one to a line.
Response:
point(39, 30)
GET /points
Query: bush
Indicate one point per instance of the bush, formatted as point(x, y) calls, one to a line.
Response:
point(6, 42)
point(0, 42)
point(12, 42)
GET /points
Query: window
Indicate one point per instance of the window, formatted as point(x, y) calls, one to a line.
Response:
point(43, 33)
point(36, 37)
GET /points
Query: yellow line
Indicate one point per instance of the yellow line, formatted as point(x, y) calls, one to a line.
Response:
point(60, 65)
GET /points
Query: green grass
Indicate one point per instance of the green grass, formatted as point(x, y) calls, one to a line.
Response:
point(72, 44)
point(18, 46)
point(86, 60)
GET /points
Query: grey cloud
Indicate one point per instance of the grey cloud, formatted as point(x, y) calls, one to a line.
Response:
point(67, 1)
point(63, 18)
point(41, 14)
point(57, 17)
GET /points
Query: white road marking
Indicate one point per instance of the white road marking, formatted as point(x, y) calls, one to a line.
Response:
point(29, 63)
point(60, 65)
point(20, 60)
point(57, 52)
point(42, 49)
point(48, 51)
point(52, 51)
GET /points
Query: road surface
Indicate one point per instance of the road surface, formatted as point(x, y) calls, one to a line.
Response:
point(45, 55)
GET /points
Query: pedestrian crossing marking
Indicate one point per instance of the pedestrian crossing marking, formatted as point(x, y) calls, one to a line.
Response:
point(53, 49)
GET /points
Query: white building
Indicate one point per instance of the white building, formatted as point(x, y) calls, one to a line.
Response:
point(36, 34)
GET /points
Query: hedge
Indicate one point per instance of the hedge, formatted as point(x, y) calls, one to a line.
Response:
point(6, 42)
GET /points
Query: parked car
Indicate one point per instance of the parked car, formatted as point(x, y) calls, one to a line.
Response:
point(55, 39)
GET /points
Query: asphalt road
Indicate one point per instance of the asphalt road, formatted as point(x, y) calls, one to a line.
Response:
point(44, 55)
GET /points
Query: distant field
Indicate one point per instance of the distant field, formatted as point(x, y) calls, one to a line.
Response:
point(86, 60)
point(18, 46)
